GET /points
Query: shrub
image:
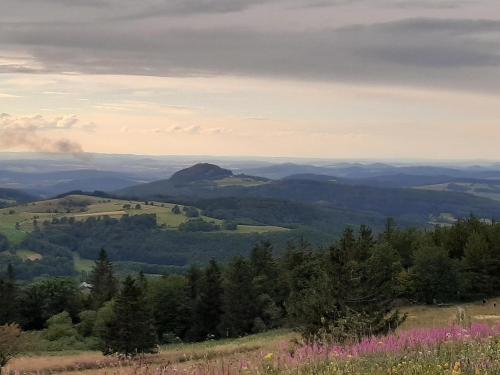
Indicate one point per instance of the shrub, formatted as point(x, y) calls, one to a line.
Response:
point(10, 342)
point(60, 326)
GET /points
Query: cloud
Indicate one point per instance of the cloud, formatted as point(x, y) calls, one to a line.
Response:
point(461, 54)
point(189, 130)
point(407, 4)
point(24, 132)
point(8, 96)
point(41, 123)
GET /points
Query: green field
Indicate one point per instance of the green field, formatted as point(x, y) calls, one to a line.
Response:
point(28, 255)
point(82, 265)
point(239, 181)
point(16, 222)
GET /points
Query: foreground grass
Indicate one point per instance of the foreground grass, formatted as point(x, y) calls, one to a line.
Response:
point(452, 350)
point(181, 356)
point(473, 358)
point(421, 346)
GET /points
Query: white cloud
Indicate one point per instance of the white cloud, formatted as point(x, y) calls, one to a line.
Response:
point(8, 96)
point(41, 123)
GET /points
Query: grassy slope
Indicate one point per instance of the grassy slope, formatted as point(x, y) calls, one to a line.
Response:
point(26, 213)
point(251, 348)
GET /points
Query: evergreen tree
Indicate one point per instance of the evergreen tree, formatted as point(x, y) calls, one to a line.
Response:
point(265, 284)
point(104, 284)
point(338, 298)
point(479, 265)
point(239, 300)
point(390, 229)
point(171, 304)
point(131, 330)
point(208, 303)
point(364, 243)
point(347, 242)
point(194, 276)
point(434, 275)
point(8, 297)
point(4, 243)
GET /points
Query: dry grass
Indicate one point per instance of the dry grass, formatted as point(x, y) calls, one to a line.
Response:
point(434, 316)
point(220, 356)
point(182, 357)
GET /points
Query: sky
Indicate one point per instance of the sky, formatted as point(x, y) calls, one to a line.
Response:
point(372, 79)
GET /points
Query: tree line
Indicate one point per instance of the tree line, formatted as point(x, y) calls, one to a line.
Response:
point(342, 292)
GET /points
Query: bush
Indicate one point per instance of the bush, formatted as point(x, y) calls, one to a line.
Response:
point(60, 326)
point(191, 211)
point(198, 225)
point(10, 342)
point(229, 225)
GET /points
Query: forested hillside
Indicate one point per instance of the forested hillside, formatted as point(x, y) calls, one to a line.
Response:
point(345, 290)
point(407, 205)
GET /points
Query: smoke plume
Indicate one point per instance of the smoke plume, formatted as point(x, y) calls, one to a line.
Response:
point(24, 133)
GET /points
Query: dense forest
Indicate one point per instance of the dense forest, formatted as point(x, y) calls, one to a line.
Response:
point(137, 239)
point(343, 291)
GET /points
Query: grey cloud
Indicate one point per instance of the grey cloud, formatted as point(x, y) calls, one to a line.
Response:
point(119, 9)
point(461, 54)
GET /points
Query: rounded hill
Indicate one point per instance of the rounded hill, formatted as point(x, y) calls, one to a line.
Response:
point(200, 172)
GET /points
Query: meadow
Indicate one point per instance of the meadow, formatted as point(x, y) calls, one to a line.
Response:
point(16, 222)
point(429, 342)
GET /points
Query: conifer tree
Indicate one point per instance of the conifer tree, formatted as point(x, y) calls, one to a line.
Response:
point(265, 284)
point(131, 330)
point(207, 310)
point(479, 264)
point(239, 300)
point(104, 284)
point(336, 297)
point(8, 297)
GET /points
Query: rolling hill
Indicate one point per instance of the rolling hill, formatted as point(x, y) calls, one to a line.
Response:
point(61, 236)
point(49, 184)
point(408, 205)
point(13, 196)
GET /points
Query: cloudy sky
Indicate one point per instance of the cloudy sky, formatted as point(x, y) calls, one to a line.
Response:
point(315, 78)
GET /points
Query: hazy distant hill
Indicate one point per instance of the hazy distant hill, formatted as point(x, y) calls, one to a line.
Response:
point(200, 172)
point(406, 204)
point(372, 170)
point(54, 183)
point(199, 181)
point(12, 196)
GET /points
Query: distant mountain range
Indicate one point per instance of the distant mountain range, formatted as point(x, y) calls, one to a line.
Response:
point(13, 196)
point(373, 196)
point(53, 183)
point(411, 193)
point(370, 170)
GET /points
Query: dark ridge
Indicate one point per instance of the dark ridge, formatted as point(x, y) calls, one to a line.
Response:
point(200, 172)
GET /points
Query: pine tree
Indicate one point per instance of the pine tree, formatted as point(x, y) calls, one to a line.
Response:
point(132, 330)
point(434, 275)
point(239, 300)
point(8, 297)
point(194, 275)
point(479, 265)
point(265, 283)
point(335, 297)
point(104, 285)
point(364, 243)
point(208, 303)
